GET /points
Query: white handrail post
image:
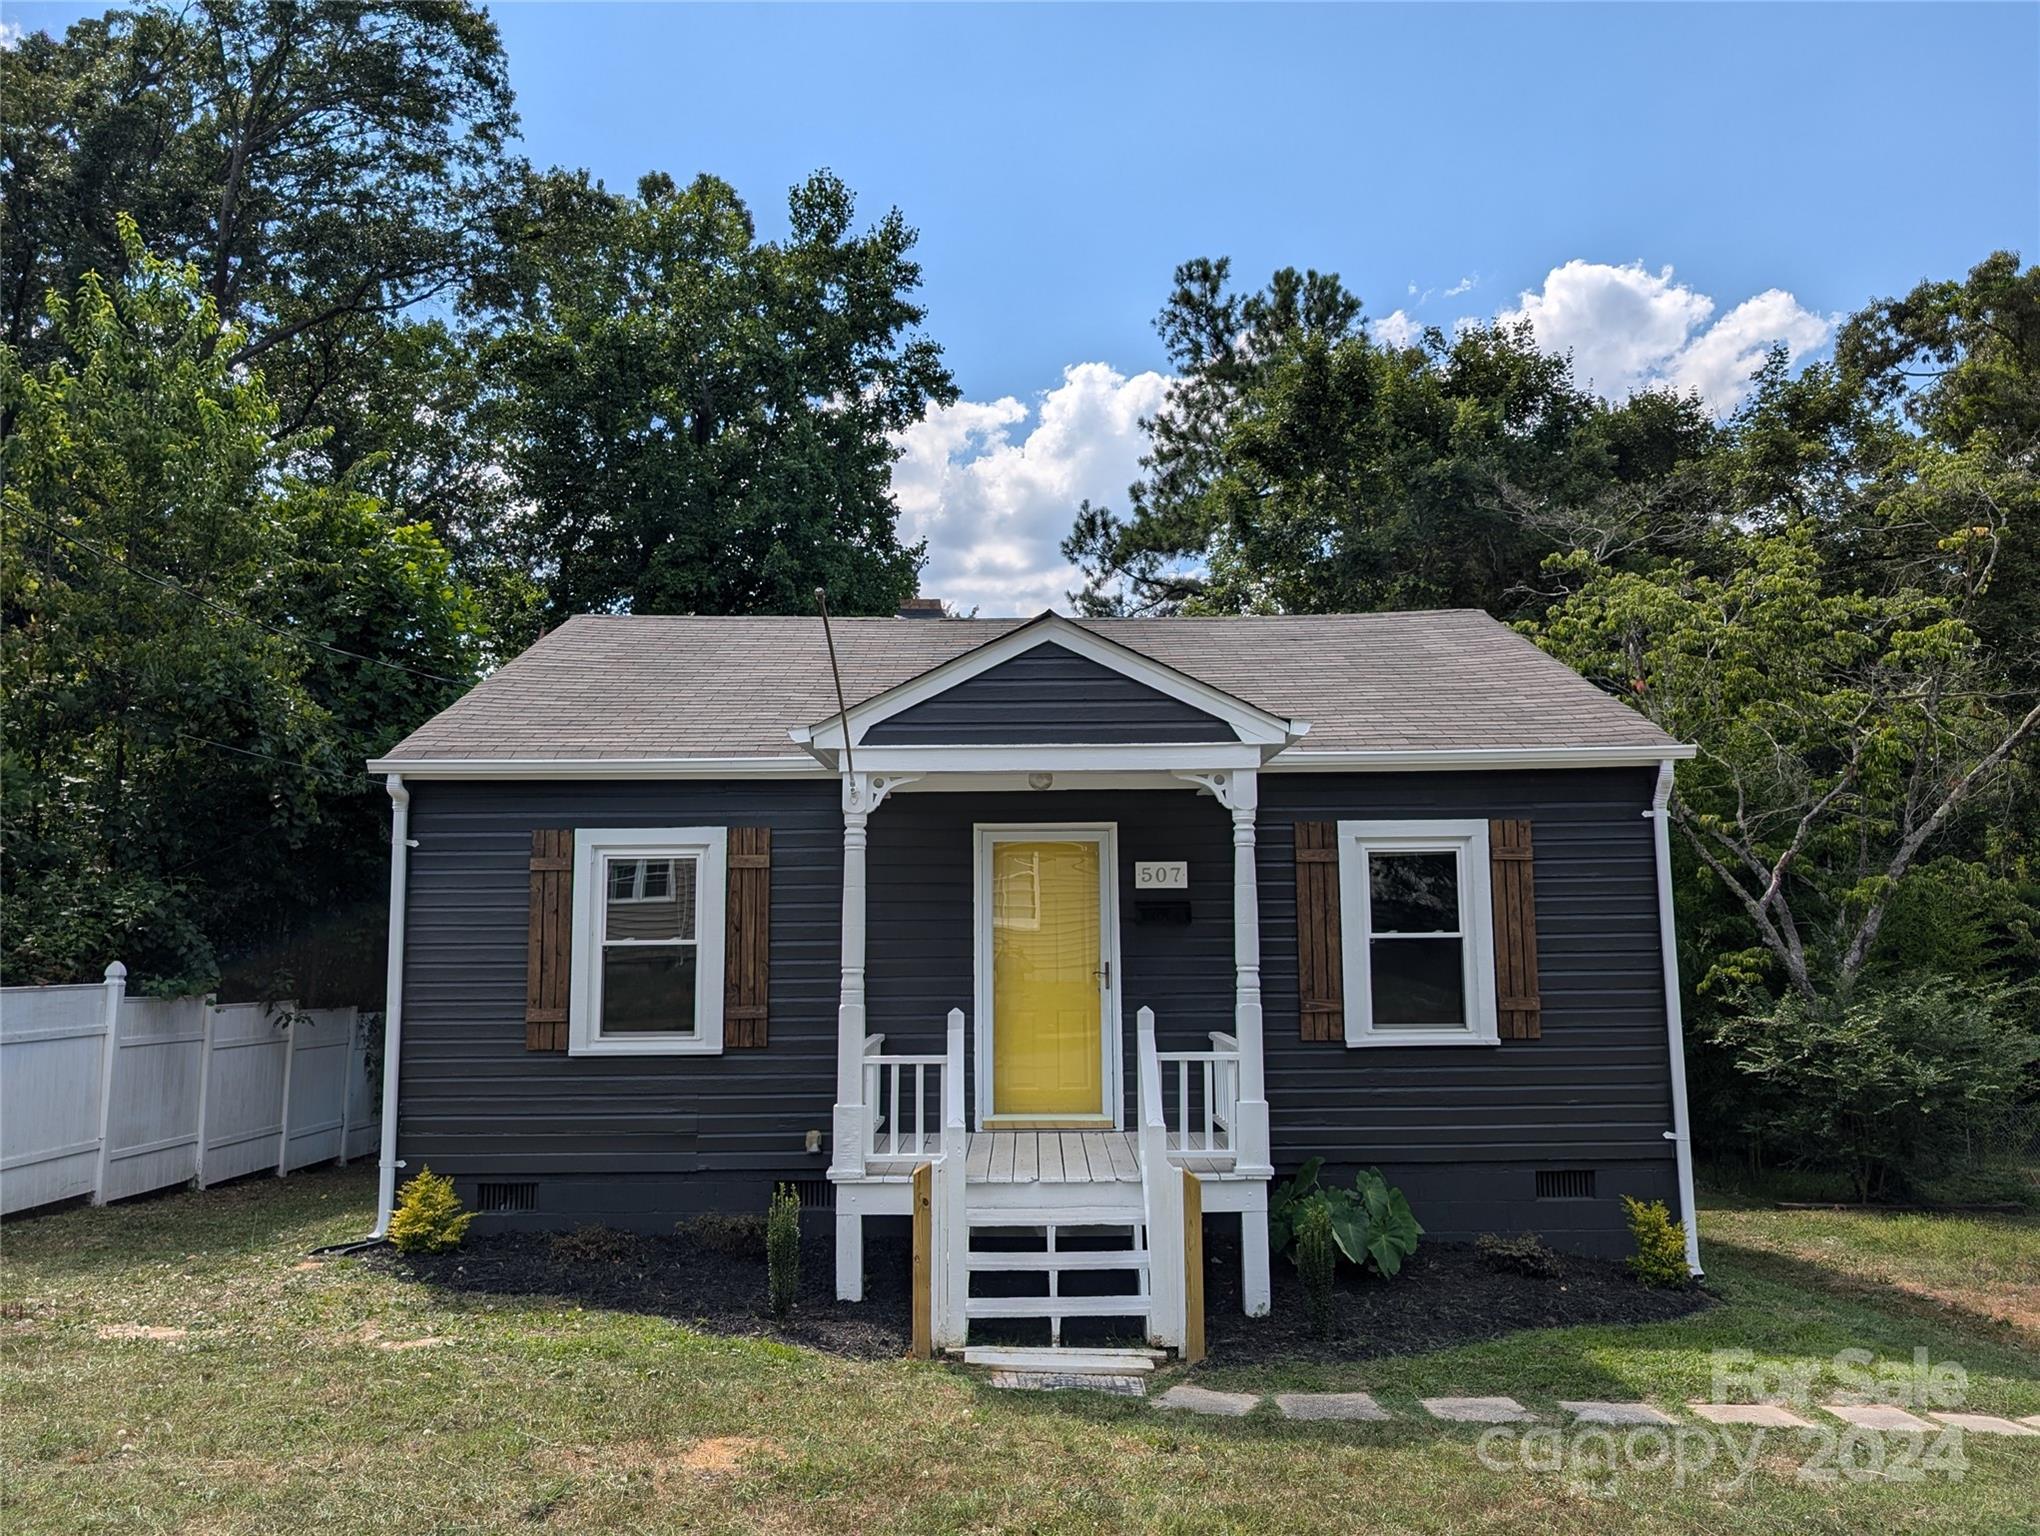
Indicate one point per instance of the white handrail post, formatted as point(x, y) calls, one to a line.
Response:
point(1161, 1195)
point(116, 990)
point(951, 1320)
point(206, 1005)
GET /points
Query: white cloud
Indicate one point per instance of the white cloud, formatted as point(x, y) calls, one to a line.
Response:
point(1629, 329)
point(993, 509)
point(1396, 330)
point(1464, 285)
point(10, 36)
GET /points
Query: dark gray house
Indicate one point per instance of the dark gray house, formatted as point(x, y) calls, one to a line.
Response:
point(1093, 926)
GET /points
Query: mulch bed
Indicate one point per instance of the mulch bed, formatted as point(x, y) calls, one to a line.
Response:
point(1444, 1295)
point(677, 1277)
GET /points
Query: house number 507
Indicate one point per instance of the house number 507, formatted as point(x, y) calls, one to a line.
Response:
point(1161, 875)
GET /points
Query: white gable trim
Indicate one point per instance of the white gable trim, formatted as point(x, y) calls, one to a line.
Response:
point(1252, 725)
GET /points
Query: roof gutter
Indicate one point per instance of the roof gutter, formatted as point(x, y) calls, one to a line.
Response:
point(1681, 1133)
point(393, 1007)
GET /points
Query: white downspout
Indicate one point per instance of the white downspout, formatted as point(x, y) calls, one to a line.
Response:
point(393, 1013)
point(1681, 1133)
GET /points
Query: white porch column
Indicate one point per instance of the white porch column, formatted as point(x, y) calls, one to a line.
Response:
point(846, 1159)
point(862, 794)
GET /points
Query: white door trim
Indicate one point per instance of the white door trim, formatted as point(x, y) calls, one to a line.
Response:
point(1111, 1044)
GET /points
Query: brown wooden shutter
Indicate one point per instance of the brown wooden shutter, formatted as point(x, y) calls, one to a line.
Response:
point(552, 939)
point(1518, 1009)
point(1320, 952)
point(747, 961)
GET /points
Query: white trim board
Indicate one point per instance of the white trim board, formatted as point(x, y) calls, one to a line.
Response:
point(1111, 1031)
point(1024, 760)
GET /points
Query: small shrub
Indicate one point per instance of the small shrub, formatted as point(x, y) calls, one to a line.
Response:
point(1521, 1255)
point(428, 1217)
point(782, 1250)
point(595, 1245)
point(1317, 1260)
point(1372, 1225)
point(1660, 1257)
point(737, 1236)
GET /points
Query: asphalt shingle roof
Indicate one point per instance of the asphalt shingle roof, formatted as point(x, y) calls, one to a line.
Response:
point(603, 686)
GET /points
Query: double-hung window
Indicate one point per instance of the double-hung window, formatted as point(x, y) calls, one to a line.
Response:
point(1417, 929)
point(648, 941)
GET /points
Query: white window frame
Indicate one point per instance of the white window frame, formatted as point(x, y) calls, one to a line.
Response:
point(1468, 842)
point(708, 847)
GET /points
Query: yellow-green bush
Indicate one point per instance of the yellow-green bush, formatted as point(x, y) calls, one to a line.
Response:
point(1660, 1257)
point(428, 1217)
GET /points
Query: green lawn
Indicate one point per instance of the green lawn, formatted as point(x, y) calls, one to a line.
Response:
point(178, 1365)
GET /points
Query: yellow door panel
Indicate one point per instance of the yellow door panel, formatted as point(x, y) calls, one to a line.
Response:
point(1046, 960)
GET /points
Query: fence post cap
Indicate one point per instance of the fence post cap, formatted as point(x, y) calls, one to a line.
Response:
point(116, 972)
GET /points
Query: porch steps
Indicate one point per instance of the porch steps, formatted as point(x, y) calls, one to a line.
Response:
point(1009, 1243)
point(1079, 1362)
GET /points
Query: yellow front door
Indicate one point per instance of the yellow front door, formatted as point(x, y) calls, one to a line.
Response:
point(1047, 970)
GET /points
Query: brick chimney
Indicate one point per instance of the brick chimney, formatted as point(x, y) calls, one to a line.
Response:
point(921, 608)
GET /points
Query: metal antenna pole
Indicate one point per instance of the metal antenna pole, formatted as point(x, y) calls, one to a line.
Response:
point(842, 710)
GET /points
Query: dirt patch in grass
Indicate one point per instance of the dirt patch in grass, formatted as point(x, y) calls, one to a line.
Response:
point(678, 1278)
point(1444, 1296)
point(141, 1331)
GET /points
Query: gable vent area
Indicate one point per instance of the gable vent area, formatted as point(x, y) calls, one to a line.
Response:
point(1565, 1183)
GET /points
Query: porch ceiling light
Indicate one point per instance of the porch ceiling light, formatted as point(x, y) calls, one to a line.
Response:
point(1040, 780)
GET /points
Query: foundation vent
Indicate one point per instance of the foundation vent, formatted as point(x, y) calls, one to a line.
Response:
point(507, 1197)
point(1565, 1183)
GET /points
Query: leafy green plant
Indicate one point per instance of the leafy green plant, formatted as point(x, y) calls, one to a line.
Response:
point(1317, 1260)
point(1660, 1257)
point(782, 1250)
point(428, 1217)
point(1372, 1224)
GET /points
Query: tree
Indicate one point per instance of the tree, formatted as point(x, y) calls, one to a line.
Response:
point(325, 165)
point(1299, 466)
point(200, 648)
point(1841, 735)
point(699, 421)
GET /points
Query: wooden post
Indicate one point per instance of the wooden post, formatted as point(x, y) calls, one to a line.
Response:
point(289, 1060)
point(116, 990)
point(1193, 1268)
point(205, 1052)
point(924, 1268)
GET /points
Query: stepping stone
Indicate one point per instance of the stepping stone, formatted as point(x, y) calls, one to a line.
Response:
point(1226, 1405)
point(1987, 1424)
point(1478, 1410)
point(1070, 1381)
point(1343, 1406)
point(1761, 1415)
point(1617, 1413)
point(1108, 1362)
point(1876, 1416)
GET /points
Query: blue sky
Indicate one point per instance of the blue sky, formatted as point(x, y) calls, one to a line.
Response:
point(1785, 162)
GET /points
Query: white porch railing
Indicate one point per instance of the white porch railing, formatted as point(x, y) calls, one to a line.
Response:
point(1207, 1087)
point(1161, 1196)
point(905, 1101)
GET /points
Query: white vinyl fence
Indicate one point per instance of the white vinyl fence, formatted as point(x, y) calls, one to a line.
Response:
point(107, 1095)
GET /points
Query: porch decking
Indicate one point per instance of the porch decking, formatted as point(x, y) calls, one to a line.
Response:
point(1061, 1157)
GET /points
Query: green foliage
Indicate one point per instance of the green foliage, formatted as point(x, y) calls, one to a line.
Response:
point(428, 1217)
point(701, 421)
point(1371, 1223)
point(1524, 1254)
point(1300, 466)
point(1317, 1260)
point(782, 1250)
point(1891, 1085)
point(182, 778)
point(1660, 1257)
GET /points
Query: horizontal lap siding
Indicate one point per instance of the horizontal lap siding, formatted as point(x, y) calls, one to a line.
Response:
point(477, 1104)
point(1595, 1088)
point(1048, 694)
